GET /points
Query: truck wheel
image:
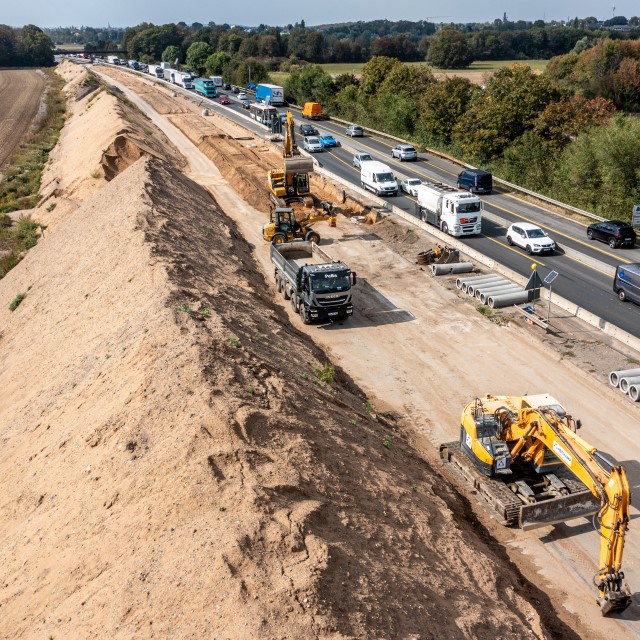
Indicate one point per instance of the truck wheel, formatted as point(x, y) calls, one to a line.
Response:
point(304, 316)
point(294, 304)
point(312, 236)
point(445, 227)
point(622, 295)
point(285, 291)
point(278, 238)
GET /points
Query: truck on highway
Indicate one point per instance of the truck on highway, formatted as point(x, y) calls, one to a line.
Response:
point(133, 64)
point(113, 60)
point(205, 87)
point(169, 74)
point(156, 70)
point(270, 94)
point(378, 177)
point(184, 80)
point(217, 81)
point(455, 212)
point(318, 286)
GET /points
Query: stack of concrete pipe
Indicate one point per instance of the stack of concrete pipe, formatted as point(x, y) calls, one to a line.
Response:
point(492, 290)
point(628, 381)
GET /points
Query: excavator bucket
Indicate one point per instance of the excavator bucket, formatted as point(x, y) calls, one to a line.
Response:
point(298, 165)
point(547, 512)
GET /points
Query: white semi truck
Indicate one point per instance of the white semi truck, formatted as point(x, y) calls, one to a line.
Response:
point(156, 70)
point(318, 286)
point(217, 81)
point(455, 212)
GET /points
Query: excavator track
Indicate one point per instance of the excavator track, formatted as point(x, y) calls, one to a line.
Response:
point(510, 508)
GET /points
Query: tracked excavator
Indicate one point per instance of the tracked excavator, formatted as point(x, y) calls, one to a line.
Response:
point(292, 181)
point(522, 454)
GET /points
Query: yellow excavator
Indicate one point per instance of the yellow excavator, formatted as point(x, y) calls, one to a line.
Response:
point(292, 180)
point(284, 227)
point(522, 454)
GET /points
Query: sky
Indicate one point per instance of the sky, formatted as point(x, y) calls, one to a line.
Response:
point(124, 13)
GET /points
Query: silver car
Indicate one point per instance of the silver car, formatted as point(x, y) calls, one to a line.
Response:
point(312, 144)
point(355, 131)
point(410, 186)
point(360, 157)
point(404, 152)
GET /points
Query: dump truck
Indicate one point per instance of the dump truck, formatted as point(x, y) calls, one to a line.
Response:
point(318, 286)
point(455, 212)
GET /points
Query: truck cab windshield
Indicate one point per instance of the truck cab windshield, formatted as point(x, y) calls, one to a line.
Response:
point(330, 282)
point(469, 207)
point(384, 177)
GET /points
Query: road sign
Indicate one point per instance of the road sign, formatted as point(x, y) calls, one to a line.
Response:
point(551, 277)
point(534, 282)
point(635, 219)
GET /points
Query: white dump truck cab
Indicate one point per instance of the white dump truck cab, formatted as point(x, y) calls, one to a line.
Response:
point(455, 212)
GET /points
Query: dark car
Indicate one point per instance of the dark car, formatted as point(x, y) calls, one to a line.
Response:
point(475, 181)
point(245, 104)
point(308, 130)
point(615, 233)
point(227, 86)
point(236, 89)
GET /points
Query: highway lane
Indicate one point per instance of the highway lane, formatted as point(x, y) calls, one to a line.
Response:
point(586, 286)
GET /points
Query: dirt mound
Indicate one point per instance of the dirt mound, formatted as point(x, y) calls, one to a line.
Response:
point(180, 467)
point(122, 153)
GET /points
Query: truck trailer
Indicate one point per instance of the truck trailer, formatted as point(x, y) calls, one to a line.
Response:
point(318, 286)
point(169, 75)
point(205, 87)
point(156, 70)
point(113, 60)
point(217, 81)
point(270, 94)
point(455, 212)
point(183, 80)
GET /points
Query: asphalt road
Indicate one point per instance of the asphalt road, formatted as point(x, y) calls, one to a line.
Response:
point(583, 279)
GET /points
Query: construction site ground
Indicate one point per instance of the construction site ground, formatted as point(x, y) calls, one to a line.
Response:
point(180, 470)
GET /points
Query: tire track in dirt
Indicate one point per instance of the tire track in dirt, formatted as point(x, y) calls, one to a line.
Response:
point(20, 93)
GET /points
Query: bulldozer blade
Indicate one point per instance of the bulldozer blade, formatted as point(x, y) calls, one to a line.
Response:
point(298, 165)
point(542, 514)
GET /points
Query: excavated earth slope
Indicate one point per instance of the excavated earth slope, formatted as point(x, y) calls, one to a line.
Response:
point(172, 465)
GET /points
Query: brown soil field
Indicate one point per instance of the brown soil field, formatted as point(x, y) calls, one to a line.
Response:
point(20, 94)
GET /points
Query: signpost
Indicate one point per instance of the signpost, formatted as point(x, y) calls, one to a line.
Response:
point(549, 280)
point(635, 218)
point(534, 283)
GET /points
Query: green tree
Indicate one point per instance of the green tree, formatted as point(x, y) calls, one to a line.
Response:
point(197, 55)
point(34, 46)
point(441, 106)
point(171, 54)
point(217, 63)
point(309, 83)
point(7, 46)
point(250, 70)
point(374, 73)
point(449, 49)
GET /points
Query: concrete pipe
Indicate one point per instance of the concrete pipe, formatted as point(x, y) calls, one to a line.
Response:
point(453, 267)
point(625, 383)
point(485, 295)
point(508, 299)
point(461, 282)
point(614, 376)
point(205, 112)
point(472, 288)
point(493, 286)
point(634, 392)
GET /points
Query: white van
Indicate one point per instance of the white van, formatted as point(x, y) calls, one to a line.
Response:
point(378, 177)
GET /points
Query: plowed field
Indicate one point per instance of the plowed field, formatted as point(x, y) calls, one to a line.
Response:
point(20, 91)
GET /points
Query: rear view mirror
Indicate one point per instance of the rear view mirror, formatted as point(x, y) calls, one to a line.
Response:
point(353, 277)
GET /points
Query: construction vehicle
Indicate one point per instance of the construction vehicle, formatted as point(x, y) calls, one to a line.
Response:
point(524, 456)
point(284, 227)
point(293, 179)
point(439, 255)
point(318, 286)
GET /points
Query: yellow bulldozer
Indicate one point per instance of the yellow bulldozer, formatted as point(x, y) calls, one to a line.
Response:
point(292, 180)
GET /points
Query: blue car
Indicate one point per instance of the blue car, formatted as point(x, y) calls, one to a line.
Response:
point(328, 141)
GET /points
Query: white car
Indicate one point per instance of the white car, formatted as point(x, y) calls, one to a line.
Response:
point(530, 237)
point(410, 186)
point(242, 96)
point(360, 157)
point(312, 144)
point(404, 152)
